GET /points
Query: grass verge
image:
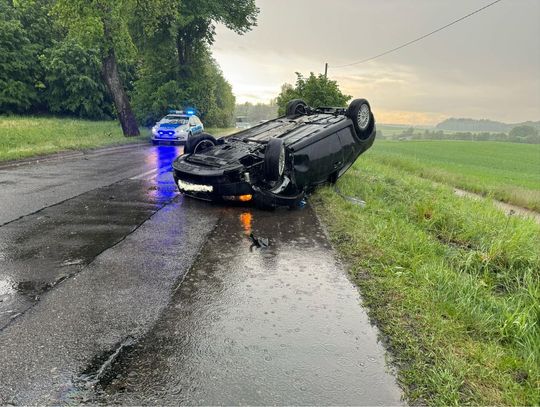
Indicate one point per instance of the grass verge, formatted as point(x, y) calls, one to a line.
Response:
point(452, 283)
point(22, 137)
point(508, 172)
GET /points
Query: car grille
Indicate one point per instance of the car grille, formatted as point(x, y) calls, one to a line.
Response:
point(165, 133)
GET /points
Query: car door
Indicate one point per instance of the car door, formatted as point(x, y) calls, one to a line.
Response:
point(325, 158)
point(192, 125)
point(196, 125)
point(199, 124)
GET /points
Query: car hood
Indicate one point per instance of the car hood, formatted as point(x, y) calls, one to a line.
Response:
point(169, 126)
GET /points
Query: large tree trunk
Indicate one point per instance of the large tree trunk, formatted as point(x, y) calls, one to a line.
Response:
point(119, 96)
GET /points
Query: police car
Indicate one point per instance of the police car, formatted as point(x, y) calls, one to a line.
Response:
point(176, 127)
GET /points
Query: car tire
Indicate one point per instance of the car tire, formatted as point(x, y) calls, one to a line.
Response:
point(198, 143)
point(274, 159)
point(296, 107)
point(155, 142)
point(359, 111)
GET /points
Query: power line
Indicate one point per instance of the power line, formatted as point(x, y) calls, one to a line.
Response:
point(419, 38)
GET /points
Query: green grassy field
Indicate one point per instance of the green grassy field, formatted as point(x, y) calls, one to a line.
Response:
point(453, 283)
point(22, 137)
point(509, 172)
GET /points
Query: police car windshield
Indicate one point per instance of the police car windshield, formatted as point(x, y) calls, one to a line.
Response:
point(173, 118)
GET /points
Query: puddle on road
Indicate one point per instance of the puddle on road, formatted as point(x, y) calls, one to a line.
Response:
point(281, 325)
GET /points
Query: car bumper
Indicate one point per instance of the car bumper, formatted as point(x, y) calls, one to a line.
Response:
point(209, 190)
point(178, 137)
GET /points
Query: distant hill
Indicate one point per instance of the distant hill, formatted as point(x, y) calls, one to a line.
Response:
point(454, 124)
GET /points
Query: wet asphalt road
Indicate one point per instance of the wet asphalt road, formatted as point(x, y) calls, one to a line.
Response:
point(114, 289)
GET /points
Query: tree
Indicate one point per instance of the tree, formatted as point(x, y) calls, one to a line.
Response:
point(72, 81)
point(18, 78)
point(254, 113)
point(103, 25)
point(314, 90)
point(524, 134)
point(196, 28)
point(95, 58)
point(176, 68)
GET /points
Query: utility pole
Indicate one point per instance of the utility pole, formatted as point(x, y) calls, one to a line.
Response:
point(326, 70)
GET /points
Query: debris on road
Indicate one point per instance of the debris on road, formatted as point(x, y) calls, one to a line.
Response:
point(261, 242)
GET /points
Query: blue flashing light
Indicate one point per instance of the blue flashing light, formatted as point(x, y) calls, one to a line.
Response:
point(190, 111)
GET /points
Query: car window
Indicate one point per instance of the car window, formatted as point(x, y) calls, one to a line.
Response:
point(176, 119)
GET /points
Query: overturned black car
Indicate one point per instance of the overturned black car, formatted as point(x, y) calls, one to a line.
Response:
point(277, 162)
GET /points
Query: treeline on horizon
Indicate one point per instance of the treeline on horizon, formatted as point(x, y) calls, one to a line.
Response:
point(255, 112)
point(482, 125)
point(519, 134)
point(67, 57)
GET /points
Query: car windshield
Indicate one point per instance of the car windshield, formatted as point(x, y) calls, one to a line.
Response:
point(171, 118)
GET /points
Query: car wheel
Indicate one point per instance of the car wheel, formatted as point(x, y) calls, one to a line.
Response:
point(296, 107)
point(199, 143)
point(155, 142)
point(359, 112)
point(274, 159)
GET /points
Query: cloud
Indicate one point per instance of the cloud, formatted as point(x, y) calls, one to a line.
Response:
point(486, 67)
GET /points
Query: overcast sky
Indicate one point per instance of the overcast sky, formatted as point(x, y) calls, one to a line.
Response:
point(487, 66)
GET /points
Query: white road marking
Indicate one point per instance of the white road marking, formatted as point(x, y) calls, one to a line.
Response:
point(144, 174)
point(159, 171)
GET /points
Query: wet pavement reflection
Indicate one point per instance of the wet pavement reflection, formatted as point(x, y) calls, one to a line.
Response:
point(39, 251)
point(245, 325)
point(279, 325)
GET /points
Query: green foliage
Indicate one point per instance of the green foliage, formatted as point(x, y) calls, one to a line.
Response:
point(222, 113)
point(525, 134)
point(482, 125)
point(73, 81)
point(522, 134)
point(176, 67)
point(40, 26)
point(257, 112)
point(18, 71)
point(159, 90)
point(101, 24)
point(161, 49)
point(316, 90)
